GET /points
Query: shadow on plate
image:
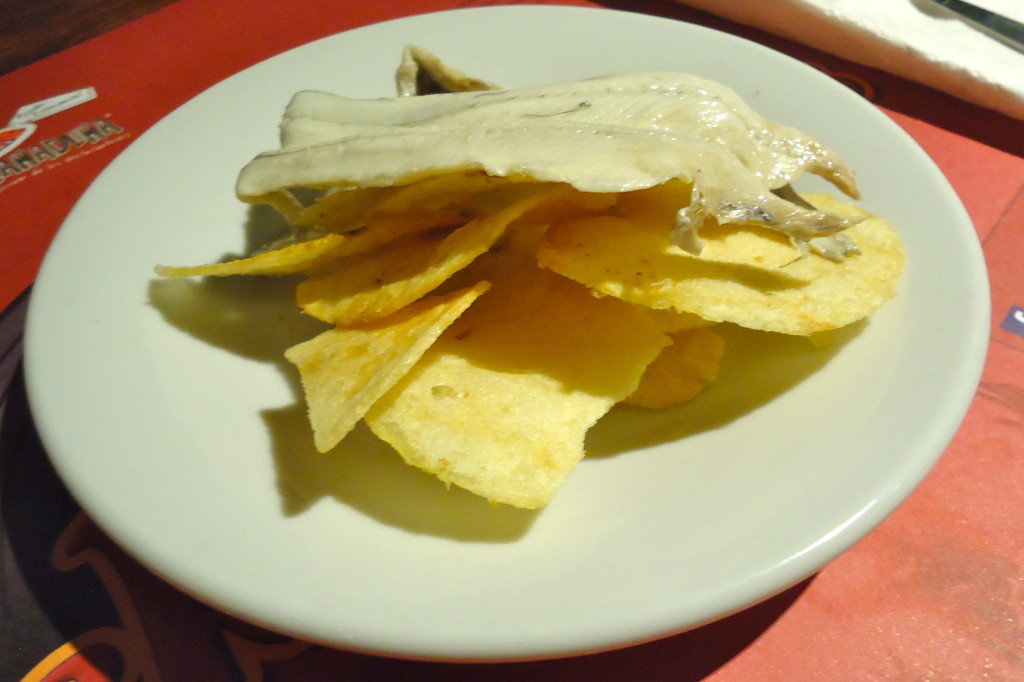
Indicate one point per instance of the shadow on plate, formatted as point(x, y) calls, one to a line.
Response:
point(757, 368)
point(366, 474)
point(256, 318)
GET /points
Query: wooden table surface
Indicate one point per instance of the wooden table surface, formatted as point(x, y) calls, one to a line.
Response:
point(33, 29)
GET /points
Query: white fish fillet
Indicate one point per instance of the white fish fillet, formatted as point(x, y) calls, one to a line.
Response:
point(608, 134)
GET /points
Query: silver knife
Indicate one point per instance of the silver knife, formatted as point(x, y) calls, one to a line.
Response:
point(997, 26)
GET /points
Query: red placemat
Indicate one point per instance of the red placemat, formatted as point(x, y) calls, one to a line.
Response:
point(936, 592)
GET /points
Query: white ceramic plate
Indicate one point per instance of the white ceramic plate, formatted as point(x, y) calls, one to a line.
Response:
point(168, 411)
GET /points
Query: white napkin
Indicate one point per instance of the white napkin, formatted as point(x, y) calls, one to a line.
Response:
point(915, 39)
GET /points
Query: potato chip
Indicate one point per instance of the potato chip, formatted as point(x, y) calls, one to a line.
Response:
point(347, 209)
point(730, 243)
point(750, 245)
point(393, 277)
point(637, 262)
point(286, 260)
point(440, 192)
point(314, 255)
point(342, 210)
point(501, 403)
point(672, 321)
point(345, 370)
point(682, 370)
point(361, 220)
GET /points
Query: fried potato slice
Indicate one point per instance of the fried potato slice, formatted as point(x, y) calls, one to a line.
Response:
point(502, 401)
point(742, 244)
point(342, 210)
point(287, 260)
point(440, 192)
point(321, 253)
point(637, 262)
point(347, 209)
point(671, 321)
point(393, 277)
point(346, 369)
point(682, 370)
point(358, 221)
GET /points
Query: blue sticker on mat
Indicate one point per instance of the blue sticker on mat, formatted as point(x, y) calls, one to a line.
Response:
point(1014, 321)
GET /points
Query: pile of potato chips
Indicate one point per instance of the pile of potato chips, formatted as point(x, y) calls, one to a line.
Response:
point(481, 325)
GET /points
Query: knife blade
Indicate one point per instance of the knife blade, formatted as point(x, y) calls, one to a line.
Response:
point(1001, 28)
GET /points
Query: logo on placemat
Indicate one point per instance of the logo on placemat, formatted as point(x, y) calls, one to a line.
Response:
point(12, 136)
point(30, 113)
point(21, 156)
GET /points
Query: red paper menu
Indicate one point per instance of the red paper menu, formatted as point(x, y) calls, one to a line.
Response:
point(936, 592)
